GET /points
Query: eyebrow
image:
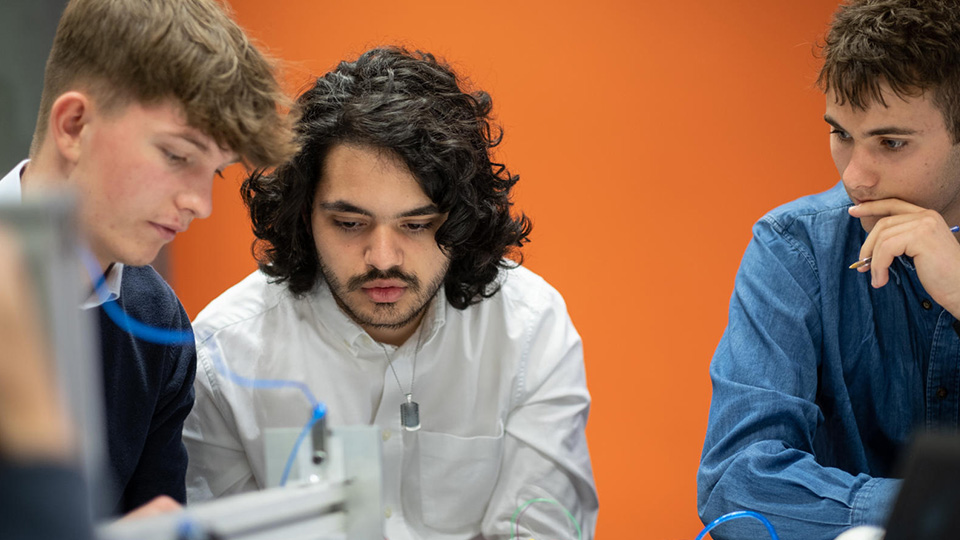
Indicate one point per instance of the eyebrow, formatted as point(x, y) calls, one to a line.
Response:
point(188, 136)
point(197, 142)
point(425, 210)
point(888, 130)
point(348, 208)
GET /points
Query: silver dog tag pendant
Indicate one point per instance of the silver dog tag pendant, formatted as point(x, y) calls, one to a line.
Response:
point(410, 414)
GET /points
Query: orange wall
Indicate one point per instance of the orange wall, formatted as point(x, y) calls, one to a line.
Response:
point(649, 136)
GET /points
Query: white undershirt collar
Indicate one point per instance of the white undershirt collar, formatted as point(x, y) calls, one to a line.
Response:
point(10, 191)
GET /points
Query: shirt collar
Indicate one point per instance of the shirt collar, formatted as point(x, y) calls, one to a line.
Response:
point(10, 190)
point(10, 184)
point(353, 336)
point(111, 285)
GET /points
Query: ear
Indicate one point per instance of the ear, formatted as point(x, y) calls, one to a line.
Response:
point(70, 113)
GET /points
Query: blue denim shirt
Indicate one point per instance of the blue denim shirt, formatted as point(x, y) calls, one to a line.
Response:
point(820, 379)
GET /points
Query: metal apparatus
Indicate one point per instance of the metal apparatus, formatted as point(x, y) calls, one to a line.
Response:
point(337, 499)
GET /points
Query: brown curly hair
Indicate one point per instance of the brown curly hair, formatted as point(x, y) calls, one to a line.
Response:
point(911, 45)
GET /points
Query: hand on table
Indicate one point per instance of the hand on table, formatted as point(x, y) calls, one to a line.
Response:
point(159, 505)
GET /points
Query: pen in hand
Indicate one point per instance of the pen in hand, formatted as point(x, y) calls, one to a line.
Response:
point(866, 261)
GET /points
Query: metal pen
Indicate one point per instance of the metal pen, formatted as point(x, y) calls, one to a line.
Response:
point(866, 261)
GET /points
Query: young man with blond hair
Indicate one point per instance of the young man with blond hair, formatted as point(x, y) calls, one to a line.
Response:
point(144, 103)
point(825, 371)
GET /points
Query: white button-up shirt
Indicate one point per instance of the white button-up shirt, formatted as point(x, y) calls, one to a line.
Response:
point(501, 388)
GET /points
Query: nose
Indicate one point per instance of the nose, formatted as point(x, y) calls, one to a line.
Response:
point(383, 251)
point(860, 171)
point(196, 198)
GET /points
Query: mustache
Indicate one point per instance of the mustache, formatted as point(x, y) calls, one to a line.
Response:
point(357, 282)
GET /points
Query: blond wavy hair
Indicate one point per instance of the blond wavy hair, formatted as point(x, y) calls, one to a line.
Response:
point(188, 51)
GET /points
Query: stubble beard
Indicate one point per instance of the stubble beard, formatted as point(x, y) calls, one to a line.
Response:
point(385, 316)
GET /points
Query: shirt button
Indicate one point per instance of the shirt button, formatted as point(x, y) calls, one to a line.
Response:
point(926, 304)
point(387, 513)
point(386, 437)
point(942, 393)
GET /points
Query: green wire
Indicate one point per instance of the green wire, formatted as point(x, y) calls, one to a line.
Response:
point(522, 507)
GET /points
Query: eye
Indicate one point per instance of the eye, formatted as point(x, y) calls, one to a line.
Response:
point(893, 144)
point(418, 227)
point(175, 159)
point(842, 135)
point(347, 225)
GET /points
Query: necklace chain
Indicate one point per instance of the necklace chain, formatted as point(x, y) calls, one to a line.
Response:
point(413, 374)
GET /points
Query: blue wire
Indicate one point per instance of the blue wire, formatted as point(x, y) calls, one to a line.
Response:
point(164, 336)
point(318, 413)
point(187, 529)
point(736, 515)
point(145, 332)
point(274, 384)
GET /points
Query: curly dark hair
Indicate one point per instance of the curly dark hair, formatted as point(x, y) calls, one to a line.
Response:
point(412, 105)
point(911, 45)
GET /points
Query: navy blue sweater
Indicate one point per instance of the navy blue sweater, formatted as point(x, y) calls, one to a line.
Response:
point(42, 502)
point(148, 391)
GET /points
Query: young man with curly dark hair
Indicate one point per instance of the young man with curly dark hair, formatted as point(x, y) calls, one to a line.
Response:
point(144, 103)
point(825, 371)
point(387, 279)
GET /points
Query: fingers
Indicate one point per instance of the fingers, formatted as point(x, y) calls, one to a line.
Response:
point(926, 220)
point(888, 244)
point(906, 234)
point(158, 505)
point(900, 228)
point(884, 207)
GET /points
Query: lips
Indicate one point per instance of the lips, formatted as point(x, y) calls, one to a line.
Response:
point(384, 295)
point(860, 197)
point(168, 232)
point(384, 287)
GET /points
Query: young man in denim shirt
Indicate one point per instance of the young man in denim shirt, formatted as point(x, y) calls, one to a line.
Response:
point(824, 372)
